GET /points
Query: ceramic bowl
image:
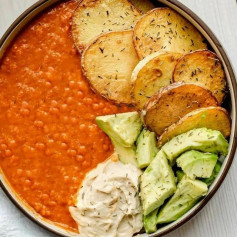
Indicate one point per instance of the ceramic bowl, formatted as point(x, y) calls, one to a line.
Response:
point(38, 8)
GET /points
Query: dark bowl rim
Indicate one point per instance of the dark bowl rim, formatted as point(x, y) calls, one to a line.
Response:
point(212, 36)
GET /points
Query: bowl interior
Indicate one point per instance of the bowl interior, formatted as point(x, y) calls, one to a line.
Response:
point(230, 104)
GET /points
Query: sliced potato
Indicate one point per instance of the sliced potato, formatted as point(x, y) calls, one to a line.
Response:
point(215, 118)
point(108, 64)
point(171, 103)
point(152, 73)
point(165, 29)
point(202, 68)
point(93, 17)
point(143, 5)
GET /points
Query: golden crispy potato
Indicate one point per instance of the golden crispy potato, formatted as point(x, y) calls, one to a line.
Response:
point(202, 68)
point(215, 118)
point(152, 73)
point(143, 5)
point(173, 102)
point(94, 17)
point(165, 29)
point(108, 64)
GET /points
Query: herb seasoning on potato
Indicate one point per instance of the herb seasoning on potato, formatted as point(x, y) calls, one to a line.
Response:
point(165, 29)
point(108, 64)
point(92, 18)
point(203, 68)
point(151, 74)
point(171, 103)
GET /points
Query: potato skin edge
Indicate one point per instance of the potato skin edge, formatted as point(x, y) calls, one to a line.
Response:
point(162, 140)
point(137, 25)
point(201, 51)
point(156, 97)
point(81, 48)
point(118, 103)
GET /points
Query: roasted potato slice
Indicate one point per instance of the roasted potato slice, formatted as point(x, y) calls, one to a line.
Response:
point(108, 64)
point(215, 118)
point(143, 5)
point(94, 17)
point(165, 29)
point(152, 73)
point(202, 68)
point(173, 102)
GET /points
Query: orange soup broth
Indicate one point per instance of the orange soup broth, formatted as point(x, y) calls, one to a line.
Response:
point(49, 138)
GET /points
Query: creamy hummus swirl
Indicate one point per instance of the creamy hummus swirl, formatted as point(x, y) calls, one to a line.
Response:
point(108, 203)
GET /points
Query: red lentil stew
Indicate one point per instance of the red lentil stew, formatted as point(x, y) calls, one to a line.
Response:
point(49, 138)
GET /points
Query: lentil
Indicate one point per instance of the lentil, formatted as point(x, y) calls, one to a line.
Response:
point(49, 138)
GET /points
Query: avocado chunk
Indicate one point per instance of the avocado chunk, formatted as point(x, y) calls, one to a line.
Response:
point(215, 172)
point(122, 128)
point(157, 183)
point(150, 222)
point(186, 196)
point(197, 164)
point(146, 148)
point(126, 155)
point(179, 174)
point(201, 139)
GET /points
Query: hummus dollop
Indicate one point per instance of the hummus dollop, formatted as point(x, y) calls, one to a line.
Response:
point(108, 203)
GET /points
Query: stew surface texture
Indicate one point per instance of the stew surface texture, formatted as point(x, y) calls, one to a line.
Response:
point(49, 138)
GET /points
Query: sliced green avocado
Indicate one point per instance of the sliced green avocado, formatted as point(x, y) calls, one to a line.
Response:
point(122, 128)
point(201, 139)
point(157, 183)
point(150, 222)
point(179, 174)
point(187, 194)
point(146, 148)
point(197, 164)
point(215, 172)
point(127, 155)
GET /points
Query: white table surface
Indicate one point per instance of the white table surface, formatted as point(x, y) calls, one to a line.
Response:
point(219, 217)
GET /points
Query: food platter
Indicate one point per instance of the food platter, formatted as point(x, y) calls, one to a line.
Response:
point(230, 105)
